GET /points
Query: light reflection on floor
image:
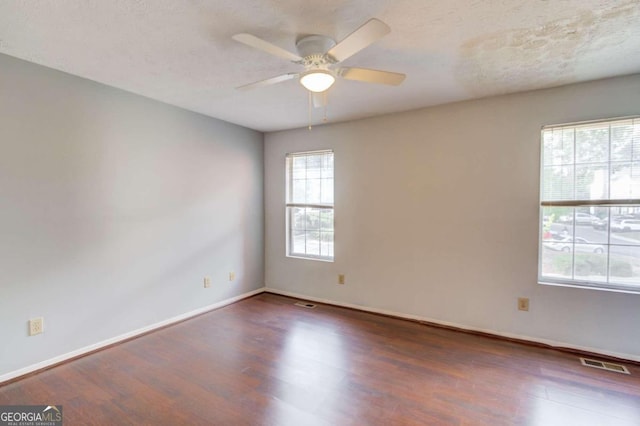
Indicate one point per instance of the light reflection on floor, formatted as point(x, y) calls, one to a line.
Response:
point(312, 366)
point(547, 412)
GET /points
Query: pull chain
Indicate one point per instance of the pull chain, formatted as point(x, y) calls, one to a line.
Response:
point(325, 102)
point(310, 101)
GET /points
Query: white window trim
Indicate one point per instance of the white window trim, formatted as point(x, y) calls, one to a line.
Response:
point(576, 283)
point(289, 205)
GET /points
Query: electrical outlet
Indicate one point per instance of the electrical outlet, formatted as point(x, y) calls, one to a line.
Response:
point(232, 276)
point(523, 303)
point(207, 282)
point(340, 278)
point(36, 326)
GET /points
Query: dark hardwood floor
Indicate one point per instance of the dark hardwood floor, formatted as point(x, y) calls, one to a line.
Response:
point(264, 361)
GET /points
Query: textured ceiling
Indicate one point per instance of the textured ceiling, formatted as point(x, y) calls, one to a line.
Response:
point(181, 52)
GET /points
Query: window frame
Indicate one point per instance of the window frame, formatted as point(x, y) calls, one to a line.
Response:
point(290, 205)
point(576, 203)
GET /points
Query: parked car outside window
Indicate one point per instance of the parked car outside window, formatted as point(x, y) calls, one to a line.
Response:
point(580, 244)
point(625, 225)
point(601, 224)
point(581, 219)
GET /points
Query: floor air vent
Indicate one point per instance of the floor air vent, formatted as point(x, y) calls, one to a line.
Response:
point(609, 366)
point(305, 305)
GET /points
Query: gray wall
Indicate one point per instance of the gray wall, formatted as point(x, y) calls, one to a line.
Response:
point(436, 216)
point(113, 209)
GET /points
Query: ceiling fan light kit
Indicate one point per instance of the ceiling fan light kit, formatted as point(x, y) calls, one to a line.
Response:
point(319, 54)
point(317, 80)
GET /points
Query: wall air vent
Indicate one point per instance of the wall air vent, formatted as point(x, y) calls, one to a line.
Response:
point(609, 366)
point(305, 305)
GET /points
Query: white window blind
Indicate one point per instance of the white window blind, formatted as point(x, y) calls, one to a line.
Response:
point(309, 208)
point(590, 205)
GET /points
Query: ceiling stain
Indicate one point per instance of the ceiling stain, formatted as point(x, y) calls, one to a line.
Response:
point(544, 56)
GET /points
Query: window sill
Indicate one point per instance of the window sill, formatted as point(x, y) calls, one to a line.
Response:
point(590, 286)
point(318, 259)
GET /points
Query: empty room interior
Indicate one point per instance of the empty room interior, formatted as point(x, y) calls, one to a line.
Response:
point(320, 213)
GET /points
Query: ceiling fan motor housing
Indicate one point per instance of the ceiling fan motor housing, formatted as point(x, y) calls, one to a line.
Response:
point(313, 48)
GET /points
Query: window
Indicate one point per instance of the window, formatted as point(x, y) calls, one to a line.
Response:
point(310, 205)
point(590, 205)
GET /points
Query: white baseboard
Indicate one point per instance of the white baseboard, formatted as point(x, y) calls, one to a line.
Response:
point(44, 364)
point(125, 336)
point(547, 342)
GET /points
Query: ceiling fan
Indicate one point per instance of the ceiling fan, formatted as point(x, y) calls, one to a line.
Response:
point(319, 56)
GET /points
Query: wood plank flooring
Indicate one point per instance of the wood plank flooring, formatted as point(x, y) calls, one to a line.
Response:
point(264, 361)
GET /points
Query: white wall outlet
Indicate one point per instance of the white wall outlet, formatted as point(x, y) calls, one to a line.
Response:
point(232, 276)
point(207, 282)
point(36, 326)
point(340, 278)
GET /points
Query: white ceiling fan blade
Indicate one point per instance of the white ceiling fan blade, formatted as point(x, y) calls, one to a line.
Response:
point(370, 32)
point(319, 99)
point(372, 76)
point(269, 81)
point(265, 46)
